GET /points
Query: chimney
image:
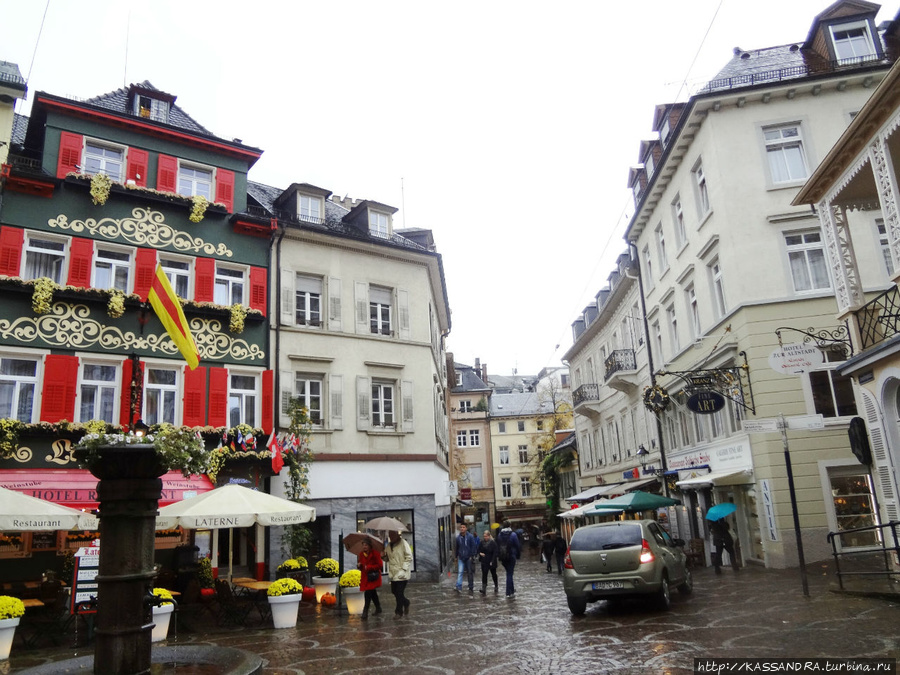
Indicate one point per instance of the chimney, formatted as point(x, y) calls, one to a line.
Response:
point(484, 373)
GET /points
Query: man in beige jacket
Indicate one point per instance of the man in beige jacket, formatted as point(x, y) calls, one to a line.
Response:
point(399, 558)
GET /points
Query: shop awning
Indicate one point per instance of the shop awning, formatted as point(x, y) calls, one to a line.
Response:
point(717, 478)
point(589, 510)
point(628, 487)
point(77, 488)
point(587, 494)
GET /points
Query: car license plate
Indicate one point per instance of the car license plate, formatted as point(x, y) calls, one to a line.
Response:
point(606, 585)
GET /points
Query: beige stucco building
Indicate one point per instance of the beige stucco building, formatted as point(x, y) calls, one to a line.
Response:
point(12, 88)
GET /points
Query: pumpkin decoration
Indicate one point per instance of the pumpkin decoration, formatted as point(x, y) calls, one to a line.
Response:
point(309, 594)
point(329, 600)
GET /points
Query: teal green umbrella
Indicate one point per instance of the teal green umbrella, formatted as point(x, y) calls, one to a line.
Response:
point(636, 501)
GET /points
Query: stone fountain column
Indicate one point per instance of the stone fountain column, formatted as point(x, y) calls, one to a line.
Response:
point(128, 491)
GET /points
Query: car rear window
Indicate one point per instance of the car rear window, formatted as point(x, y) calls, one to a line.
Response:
point(606, 538)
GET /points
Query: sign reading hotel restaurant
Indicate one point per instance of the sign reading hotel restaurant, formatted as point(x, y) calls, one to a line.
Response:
point(706, 402)
point(795, 359)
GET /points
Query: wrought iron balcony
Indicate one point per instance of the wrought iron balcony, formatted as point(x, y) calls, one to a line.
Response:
point(619, 360)
point(585, 393)
point(879, 319)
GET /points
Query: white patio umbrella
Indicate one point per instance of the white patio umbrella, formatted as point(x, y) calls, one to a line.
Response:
point(23, 513)
point(232, 506)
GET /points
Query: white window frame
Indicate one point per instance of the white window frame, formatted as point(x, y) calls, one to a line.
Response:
point(474, 438)
point(308, 398)
point(811, 241)
point(62, 255)
point(381, 315)
point(194, 181)
point(103, 162)
point(648, 266)
point(718, 287)
point(830, 367)
point(462, 438)
point(777, 149)
point(229, 281)
point(657, 337)
point(501, 427)
point(523, 454)
point(305, 295)
point(525, 486)
point(21, 382)
point(465, 406)
point(178, 275)
point(158, 110)
point(379, 224)
point(702, 190)
point(100, 386)
point(174, 390)
point(520, 426)
point(853, 44)
point(672, 321)
point(504, 455)
point(310, 208)
point(113, 265)
point(380, 418)
point(506, 487)
point(884, 244)
point(690, 299)
point(661, 253)
point(678, 220)
point(245, 396)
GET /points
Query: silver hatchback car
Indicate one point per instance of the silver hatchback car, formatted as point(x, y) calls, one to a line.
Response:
point(628, 558)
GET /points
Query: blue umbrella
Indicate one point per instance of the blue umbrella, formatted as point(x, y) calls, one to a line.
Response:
point(719, 511)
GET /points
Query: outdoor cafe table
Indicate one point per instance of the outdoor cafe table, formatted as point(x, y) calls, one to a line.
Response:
point(257, 591)
point(32, 602)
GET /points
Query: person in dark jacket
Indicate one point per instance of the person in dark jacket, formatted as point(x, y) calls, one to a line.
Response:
point(722, 539)
point(547, 548)
point(507, 539)
point(466, 550)
point(487, 555)
point(559, 548)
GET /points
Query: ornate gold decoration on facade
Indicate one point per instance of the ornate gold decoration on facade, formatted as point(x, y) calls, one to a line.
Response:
point(72, 326)
point(146, 227)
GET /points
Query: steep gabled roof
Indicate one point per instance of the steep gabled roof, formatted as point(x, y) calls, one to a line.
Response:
point(119, 100)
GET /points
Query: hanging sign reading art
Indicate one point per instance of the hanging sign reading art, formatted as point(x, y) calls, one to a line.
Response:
point(795, 359)
point(706, 402)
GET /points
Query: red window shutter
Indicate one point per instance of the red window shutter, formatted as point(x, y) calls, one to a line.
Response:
point(70, 146)
point(81, 251)
point(145, 271)
point(225, 188)
point(205, 282)
point(268, 401)
point(167, 174)
point(125, 409)
point(195, 397)
point(11, 241)
point(218, 397)
point(60, 379)
point(258, 286)
point(137, 166)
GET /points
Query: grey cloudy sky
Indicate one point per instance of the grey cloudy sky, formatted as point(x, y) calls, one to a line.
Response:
point(512, 124)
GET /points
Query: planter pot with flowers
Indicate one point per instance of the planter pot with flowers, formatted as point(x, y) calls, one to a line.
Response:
point(327, 580)
point(284, 601)
point(355, 598)
point(162, 614)
point(11, 610)
point(294, 568)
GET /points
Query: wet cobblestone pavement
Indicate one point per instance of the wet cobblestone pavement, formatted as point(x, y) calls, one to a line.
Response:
point(755, 613)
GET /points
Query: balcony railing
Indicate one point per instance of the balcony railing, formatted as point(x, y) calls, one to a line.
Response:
point(879, 319)
point(586, 392)
point(26, 163)
point(620, 359)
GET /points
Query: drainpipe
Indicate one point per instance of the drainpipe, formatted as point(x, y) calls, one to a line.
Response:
point(659, 430)
point(275, 318)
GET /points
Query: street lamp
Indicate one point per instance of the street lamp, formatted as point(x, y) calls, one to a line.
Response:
point(642, 455)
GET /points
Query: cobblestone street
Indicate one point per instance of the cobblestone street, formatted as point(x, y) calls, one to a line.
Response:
point(755, 613)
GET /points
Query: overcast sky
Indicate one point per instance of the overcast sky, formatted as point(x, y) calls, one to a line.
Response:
point(511, 126)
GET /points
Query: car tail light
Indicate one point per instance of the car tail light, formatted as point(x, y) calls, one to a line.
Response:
point(567, 563)
point(646, 554)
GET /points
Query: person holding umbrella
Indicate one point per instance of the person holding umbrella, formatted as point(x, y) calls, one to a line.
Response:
point(722, 539)
point(399, 556)
point(371, 565)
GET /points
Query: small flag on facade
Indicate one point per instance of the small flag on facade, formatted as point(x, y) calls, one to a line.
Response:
point(168, 308)
point(277, 459)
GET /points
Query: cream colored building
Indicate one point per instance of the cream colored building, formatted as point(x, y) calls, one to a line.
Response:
point(12, 88)
point(729, 264)
point(359, 323)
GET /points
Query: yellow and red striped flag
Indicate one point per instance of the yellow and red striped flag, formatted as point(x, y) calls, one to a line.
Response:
point(167, 307)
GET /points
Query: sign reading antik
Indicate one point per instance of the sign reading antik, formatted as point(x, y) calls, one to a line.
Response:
point(706, 402)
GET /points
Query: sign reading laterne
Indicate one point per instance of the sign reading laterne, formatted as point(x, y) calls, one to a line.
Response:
point(706, 402)
point(795, 359)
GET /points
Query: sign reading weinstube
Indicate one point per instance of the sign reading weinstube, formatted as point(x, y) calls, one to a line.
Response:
point(795, 359)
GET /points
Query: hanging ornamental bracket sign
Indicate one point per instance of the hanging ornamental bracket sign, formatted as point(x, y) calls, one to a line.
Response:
point(729, 382)
point(836, 338)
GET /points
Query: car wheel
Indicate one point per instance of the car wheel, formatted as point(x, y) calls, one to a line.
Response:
point(664, 595)
point(687, 587)
point(576, 605)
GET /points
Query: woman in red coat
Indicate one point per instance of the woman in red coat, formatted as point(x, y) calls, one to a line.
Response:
point(371, 565)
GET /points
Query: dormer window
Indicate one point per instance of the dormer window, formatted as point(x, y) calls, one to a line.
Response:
point(379, 224)
point(664, 131)
point(151, 108)
point(852, 42)
point(648, 165)
point(310, 209)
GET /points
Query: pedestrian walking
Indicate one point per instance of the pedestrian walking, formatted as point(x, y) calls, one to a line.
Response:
point(559, 549)
point(466, 550)
point(370, 565)
point(399, 559)
point(547, 548)
point(722, 539)
point(508, 551)
point(487, 554)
